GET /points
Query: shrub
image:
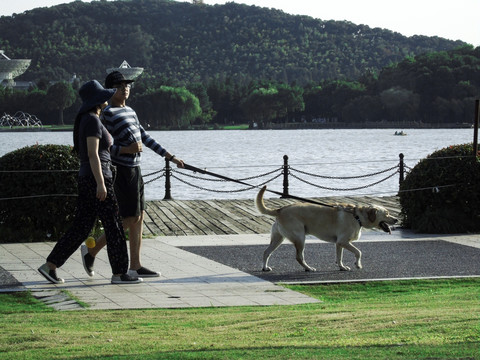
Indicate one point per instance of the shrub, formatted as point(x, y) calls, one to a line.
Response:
point(442, 193)
point(30, 210)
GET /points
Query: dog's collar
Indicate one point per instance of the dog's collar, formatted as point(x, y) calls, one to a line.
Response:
point(358, 219)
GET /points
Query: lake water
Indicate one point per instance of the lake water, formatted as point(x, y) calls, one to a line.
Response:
point(248, 153)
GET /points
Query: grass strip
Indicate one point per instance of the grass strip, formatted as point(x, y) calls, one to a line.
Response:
point(419, 319)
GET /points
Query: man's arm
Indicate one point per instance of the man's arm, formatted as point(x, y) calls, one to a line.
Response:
point(152, 144)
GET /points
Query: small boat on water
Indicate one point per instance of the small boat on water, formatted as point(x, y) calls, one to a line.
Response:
point(400, 133)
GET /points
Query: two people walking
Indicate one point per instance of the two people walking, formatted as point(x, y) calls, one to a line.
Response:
point(126, 152)
point(119, 205)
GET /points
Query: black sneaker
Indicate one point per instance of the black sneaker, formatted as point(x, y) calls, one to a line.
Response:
point(50, 275)
point(125, 279)
point(87, 260)
point(144, 272)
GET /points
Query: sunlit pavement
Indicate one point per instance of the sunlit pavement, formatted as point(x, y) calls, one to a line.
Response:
point(211, 271)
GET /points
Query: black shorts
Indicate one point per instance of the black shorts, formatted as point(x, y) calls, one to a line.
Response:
point(129, 190)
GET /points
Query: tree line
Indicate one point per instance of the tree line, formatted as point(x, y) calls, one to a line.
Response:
point(189, 43)
point(434, 88)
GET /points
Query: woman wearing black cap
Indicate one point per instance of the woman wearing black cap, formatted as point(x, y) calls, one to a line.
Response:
point(96, 197)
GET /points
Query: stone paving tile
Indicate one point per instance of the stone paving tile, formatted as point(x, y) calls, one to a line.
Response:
point(187, 280)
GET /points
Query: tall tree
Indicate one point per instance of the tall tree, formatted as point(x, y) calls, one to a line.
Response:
point(168, 107)
point(290, 99)
point(59, 97)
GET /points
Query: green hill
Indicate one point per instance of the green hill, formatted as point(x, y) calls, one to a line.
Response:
point(183, 42)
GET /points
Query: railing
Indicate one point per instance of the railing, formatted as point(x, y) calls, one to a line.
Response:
point(400, 170)
point(286, 171)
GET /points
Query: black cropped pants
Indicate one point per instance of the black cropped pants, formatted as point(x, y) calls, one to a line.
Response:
point(88, 209)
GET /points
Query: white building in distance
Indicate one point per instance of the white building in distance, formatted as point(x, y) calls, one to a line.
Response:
point(129, 72)
point(10, 69)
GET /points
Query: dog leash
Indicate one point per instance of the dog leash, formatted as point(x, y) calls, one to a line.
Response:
point(205, 172)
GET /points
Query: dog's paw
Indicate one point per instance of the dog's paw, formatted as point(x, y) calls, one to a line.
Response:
point(344, 268)
point(268, 268)
point(310, 269)
point(358, 265)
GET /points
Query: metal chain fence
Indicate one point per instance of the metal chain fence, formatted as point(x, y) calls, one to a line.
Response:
point(401, 169)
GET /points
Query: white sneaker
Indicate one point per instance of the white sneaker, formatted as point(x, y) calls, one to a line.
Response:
point(87, 260)
point(126, 279)
point(50, 275)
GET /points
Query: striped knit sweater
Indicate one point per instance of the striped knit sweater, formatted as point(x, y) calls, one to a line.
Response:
point(123, 125)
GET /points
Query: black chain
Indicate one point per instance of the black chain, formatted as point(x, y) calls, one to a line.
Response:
point(154, 173)
point(345, 189)
point(149, 181)
point(227, 191)
point(222, 180)
point(173, 172)
point(345, 177)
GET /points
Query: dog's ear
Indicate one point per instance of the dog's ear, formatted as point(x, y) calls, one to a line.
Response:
point(372, 215)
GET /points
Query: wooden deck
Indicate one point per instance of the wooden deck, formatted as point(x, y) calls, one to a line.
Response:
point(228, 217)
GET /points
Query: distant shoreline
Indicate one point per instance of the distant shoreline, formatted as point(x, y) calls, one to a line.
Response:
point(398, 125)
point(36, 128)
point(31, 130)
point(279, 126)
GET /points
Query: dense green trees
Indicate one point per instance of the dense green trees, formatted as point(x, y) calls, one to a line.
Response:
point(167, 107)
point(265, 104)
point(196, 43)
point(59, 97)
point(238, 64)
point(32, 101)
point(439, 87)
point(411, 91)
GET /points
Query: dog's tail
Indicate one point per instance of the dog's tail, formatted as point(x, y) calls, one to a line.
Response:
point(261, 205)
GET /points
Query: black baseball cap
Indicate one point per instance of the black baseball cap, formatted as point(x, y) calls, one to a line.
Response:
point(115, 78)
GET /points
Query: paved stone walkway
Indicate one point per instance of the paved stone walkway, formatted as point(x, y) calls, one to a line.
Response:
point(188, 280)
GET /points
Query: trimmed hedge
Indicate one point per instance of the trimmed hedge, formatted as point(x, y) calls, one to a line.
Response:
point(28, 211)
point(442, 192)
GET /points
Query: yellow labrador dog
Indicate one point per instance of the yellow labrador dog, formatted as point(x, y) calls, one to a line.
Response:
point(339, 224)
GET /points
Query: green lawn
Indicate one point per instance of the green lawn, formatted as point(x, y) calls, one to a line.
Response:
point(236, 127)
point(423, 319)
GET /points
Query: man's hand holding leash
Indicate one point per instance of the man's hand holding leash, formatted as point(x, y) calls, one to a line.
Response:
point(175, 160)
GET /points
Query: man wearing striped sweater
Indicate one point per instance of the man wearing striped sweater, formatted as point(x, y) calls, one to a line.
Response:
point(129, 135)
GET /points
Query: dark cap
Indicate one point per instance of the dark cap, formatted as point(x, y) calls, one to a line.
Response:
point(92, 94)
point(115, 78)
